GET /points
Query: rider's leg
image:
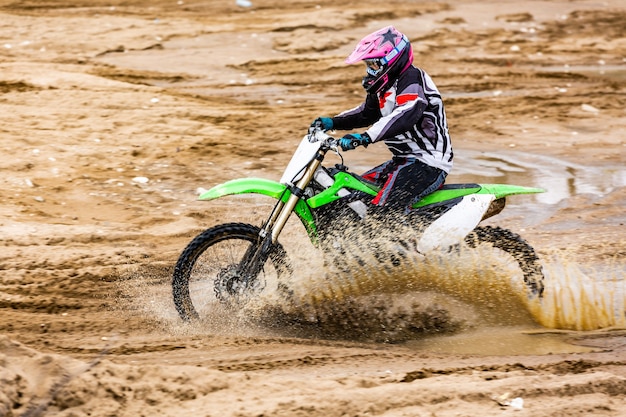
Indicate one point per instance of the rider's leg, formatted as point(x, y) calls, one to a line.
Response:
point(406, 181)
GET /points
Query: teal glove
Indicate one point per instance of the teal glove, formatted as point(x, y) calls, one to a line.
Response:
point(323, 123)
point(352, 140)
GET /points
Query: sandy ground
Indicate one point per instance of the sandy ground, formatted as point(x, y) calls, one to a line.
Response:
point(115, 112)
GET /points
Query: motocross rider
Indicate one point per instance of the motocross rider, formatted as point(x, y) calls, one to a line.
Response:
point(404, 109)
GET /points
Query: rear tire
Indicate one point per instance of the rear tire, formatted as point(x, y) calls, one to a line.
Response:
point(515, 246)
point(206, 269)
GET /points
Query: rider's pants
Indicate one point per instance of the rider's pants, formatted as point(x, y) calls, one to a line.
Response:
point(404, 181)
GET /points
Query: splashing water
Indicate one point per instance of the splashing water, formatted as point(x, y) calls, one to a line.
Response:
point(370, 299)
point(576, 299)
point(476, 288)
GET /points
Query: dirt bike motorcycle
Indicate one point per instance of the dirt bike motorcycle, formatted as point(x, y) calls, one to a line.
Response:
point(234, 262)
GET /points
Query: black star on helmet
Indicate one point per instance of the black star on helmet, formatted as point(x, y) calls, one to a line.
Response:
point(390, 37)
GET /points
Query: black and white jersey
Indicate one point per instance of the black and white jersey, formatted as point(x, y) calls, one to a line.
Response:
point(409, 117)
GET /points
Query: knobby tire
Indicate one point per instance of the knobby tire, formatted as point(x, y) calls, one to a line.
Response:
point(200, 244)
point(515, 246)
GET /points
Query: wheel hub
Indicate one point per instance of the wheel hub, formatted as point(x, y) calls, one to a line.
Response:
point(228, 283)
point(232, 286)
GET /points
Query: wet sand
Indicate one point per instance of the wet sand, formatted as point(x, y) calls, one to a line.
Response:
point(115, 113)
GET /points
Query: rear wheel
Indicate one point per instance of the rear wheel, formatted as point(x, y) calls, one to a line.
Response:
point(208, 270)
point(515, 246)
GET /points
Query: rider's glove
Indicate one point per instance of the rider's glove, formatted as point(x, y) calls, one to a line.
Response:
point(323, 123)
point(352, 140)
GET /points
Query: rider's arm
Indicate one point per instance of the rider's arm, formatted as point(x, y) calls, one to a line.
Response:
point(364, 115)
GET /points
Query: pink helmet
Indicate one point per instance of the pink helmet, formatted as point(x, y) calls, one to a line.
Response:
point(387, 53)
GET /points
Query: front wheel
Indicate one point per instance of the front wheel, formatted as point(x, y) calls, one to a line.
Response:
point(209, 269)
point(515, 246)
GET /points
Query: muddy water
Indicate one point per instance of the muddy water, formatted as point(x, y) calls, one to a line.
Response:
point(574, 303)
point(579, 298)
point(561, 179)
point(494, 341)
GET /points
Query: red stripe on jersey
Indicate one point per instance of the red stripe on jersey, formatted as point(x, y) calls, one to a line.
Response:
point(404, 98)
point(382, 100)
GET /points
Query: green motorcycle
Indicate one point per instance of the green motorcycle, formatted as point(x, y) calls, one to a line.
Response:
point(234, 262)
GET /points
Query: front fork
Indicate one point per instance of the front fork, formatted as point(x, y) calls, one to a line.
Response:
point(257, 254)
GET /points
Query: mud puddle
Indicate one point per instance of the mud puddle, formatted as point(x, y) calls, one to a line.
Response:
point(500, 341)
point(560, 178)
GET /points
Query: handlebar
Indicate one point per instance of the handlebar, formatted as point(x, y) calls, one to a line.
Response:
point(317, 135)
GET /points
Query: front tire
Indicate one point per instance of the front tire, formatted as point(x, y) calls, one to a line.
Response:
point(515, 246)
point(206, 270)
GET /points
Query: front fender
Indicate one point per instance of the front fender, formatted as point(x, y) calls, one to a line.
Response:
point(246, 186)
point(265, 187)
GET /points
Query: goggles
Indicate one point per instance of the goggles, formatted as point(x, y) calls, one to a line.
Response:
point(373, 66)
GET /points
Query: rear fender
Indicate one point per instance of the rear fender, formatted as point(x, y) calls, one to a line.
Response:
point(505, 190)
point(264, 187)
point(453, 191)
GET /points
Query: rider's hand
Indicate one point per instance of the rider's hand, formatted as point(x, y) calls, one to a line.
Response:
point(323, 123)
point(352, 140)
